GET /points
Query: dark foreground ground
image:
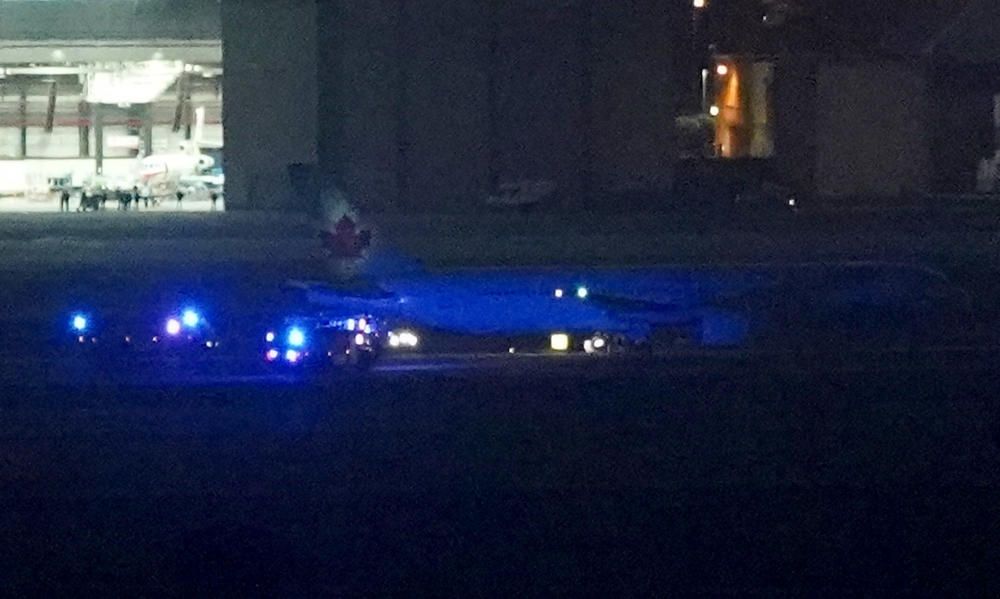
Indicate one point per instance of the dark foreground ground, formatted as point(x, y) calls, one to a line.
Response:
point(802, 473)
point(646, 477)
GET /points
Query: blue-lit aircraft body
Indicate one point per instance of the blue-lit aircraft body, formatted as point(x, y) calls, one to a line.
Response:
point(714, 306)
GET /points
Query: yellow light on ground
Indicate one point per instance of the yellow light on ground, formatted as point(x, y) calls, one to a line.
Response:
point(713, 110)
point(721, 70)
point(559, 342)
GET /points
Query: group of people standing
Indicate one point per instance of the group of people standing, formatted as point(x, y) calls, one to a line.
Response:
point(97, 200)
point(127, 199)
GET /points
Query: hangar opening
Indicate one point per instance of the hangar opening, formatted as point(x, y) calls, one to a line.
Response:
point(118, 104)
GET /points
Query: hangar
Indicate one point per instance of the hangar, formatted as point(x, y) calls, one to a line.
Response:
point(398, 104)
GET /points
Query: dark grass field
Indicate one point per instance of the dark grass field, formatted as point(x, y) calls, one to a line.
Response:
point(873, 474)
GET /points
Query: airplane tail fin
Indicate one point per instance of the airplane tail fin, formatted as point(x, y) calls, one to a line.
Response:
point(198, 137)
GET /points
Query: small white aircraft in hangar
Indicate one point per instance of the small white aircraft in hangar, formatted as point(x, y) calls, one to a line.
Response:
point(168, 171)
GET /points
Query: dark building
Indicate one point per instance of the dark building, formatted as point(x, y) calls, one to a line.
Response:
point(857, 98)
point(414, 104)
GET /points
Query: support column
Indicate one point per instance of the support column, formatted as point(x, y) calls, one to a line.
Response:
point(84, 129)
point(22, 113)
point(50, 113)
point(98, 120)
point(147, 130)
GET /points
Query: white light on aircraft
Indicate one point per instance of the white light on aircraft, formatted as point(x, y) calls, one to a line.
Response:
point(173, 327)
point(269, 337)
point(559, 293)
point(272, 355)
point(599, 342)
point(582, 292)
point(292, 356)
point(559, 342)
point(80, 323)
point(588, 346)
point(359, 339)
point(393, 340)
point(351, 324)
point(362, 323)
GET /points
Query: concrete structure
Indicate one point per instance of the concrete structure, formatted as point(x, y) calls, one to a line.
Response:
point(269, 113)
point(427, 105)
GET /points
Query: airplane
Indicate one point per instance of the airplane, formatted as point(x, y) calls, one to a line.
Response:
point(166, 172)
point(735, 306)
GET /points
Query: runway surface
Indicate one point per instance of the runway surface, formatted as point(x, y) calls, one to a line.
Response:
point(805, 470)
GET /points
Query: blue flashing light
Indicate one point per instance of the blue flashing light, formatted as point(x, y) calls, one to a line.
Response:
point(296, 338)
point(190, 318)
point(80, 323)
